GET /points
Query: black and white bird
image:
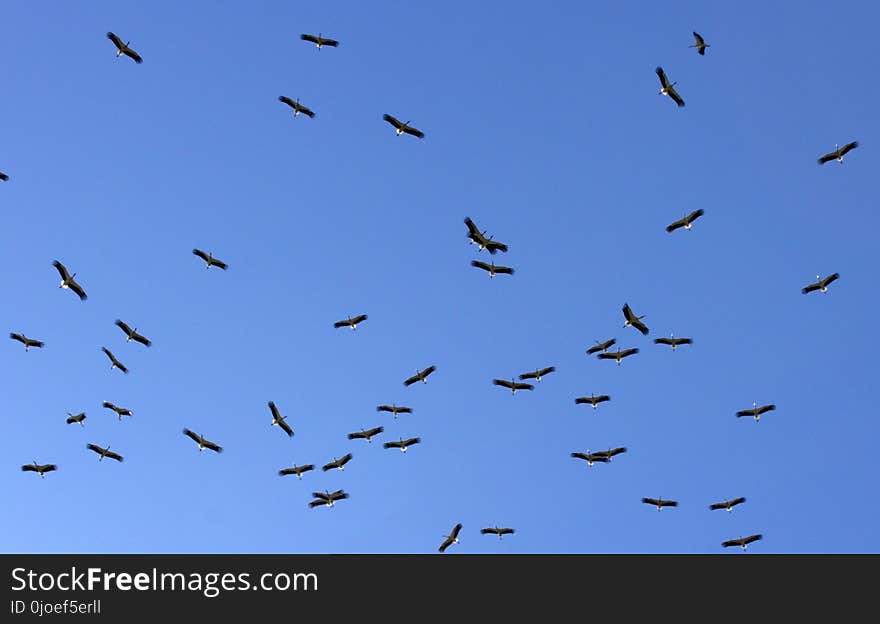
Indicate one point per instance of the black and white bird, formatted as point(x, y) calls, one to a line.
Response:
point(633, 320)
point(202, 441)
point(296, 106)
point(601, 346)
point(278, 419)
point(120, 411)
point(394, 409)
point(590, 458)
point(351, 322)
point(114, 363)
point(538, 374)
point(104, 452)
point(728, 504)
point(673, 342)
point(512, 385)
point(481, 240)
point(210, 260)
point(742, 541)
point(327, 499)
point(76, 418)
point(821, 283)
point(67, 281)
point(499, 531)
point(659, 503)
point(339, 464)
point(687, 221)
point(27, 342)
point(421, 375)
point(366, 434)
point(132, 334)
point(619, 355)
point(592, 400)
point(319, 41)
point(402, 444)
point(700, 44)
point(297, 470)
point(838, 153)
point(668, 88)
point(491, 269)
point(756, 411)
point(40, 469)
point(122, 48)
point(403, 127)
point(451, 539)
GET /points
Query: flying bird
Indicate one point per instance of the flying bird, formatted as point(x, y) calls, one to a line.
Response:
point(120, 411)
point(327, 499)
point(27, 342)
point(619, 355)
point(838, 152)
point(40, 469)
point(394, 409)
point(278, 419)
point(319, 41)
point(601, 346)
point(821, 284)
point(202, 442)
point(297, 470)
point(742, 541)
point(491, 268)
point(512, 385)
point(610, 453)
point(451, 539)
point(590, 458)
point(366, 434)
point(420, 376)
point(339, 464)
point(538, 374)
point(296, 106)
point(756, 411)
point(402, 444)
point(76, 418)
point(114, 363)
point(104, 452)
point(660, 503)
point(122, 48)
point(673, 342)
point(351, 322)
point(132, 334)
point(592, 400)
point(700, 44)
point(3, 176)
point(402, 127)
point(210, 260)
point(481, 240)
point(728, 504)
point(67, 281)
point(687, 221)
point(497, 531)
point(633, 320)
point(668, 88)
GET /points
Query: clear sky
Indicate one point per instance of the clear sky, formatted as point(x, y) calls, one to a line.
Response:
point(544, 124)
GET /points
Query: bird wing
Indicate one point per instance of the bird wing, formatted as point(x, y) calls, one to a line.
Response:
point(698, 39)
point(359, 319)
point(375, 431)
point(811, 287)
point(473, 231)
point(676, 224)
point(666, 341)
point(214, 447)
point(329, 42)
point(766, 408)
point(287, 428)
point(628, 313)
point(506, 531)
point(413, 131)
point(344, 460)
point(428, 371)
point(287, 100)
point(733, 542)
point(650, 501)
point(404, 410)
point(627, 352)
point(357, 435)
point(640, 326)
point(338, 495)
point(503, 269)
point(275, 414)
point(752, 538)
point(109, 354)
point(493, 246)
point(29, 468)
point(696, 214)
point(523, 386)
point(392, 445)
point(607, 356)
point(94, 447)
point(75, 287)
point(311, 38)
point(715, 506)
point(675, 96)
point(307, 467)
point(3, 176)
point(134, 55)
point(219, 264)
point(579, 455)
point(116, 40)
point(662, 75)
point(446, 543)
point(546, 371)
point(487, 531)
point(831, 278)
point(848, 147)
point(339, 324)
point(192, 435)
point(141, 339)
point(113, 455)
point(317, 503)
point(669, 503)
point(503, 382)
point(305, 110)
point(748, 412)
point(455, 530)
point(286, 471)
point(737, 501)
point(410, 381)
point(412, 441)
point(532, 375)
point(392, 120)
point(62, 270)
point(18, 337)
point(385, 408)
point(480, 265)
point(124, 327)
point(829, 156)
point(201, 254)
point(616, 451)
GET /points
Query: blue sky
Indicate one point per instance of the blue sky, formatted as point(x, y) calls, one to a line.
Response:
point(545, 126)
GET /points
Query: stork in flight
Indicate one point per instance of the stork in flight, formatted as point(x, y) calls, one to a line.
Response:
point(402, 444)
point(366, 434)
point(67, 281)
point(210, 260)
point(120, 411)
point(687, 221)
point(668, 88)
point(619, 355)
point(27, 342)
point(296, 106)
point(728, 504)
point(421, 375)
point(512, 385)
point(538, 374)
point(394, 409)
point(122, 48)
point(499, 531)
point(202, 442)
point(590, 458)
point(756, 411)
point(660, 503)
point(319, 41)
point(76, 418)
point(327, 499)
point(114, 363)
point(132, 334)
point(351, 322)
point(491, 268)
point(742, 541)
point(104, 452)
point(40, 469)
point(339, 464)
point(278, 419)
point(700, 44)
point(673, 342)
point(821, 284)
point(481, 239)
point(592, 400)
point(451, 539)
point(601, 346)
point(402, 127)
point(633, 320)
point(297, 470)
point(838, 153)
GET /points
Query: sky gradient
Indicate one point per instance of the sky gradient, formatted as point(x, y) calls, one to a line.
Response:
point(545, 126)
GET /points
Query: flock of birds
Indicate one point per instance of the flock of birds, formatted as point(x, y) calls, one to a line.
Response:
point(482, 241)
